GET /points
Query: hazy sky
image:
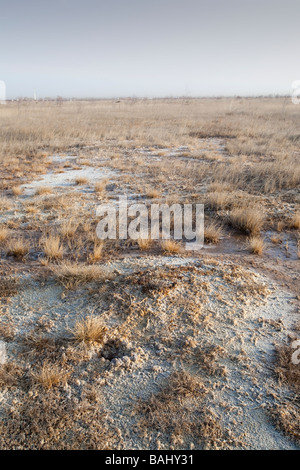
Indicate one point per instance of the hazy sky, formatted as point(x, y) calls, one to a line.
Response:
point(110, 48)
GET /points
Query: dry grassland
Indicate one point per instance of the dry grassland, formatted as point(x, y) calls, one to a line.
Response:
point(139, 344)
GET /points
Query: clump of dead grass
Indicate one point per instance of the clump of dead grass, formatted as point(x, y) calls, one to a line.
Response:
point(171, 246)
point(295, 222)
point(218, 200)
point(256, 245)
point(42, 190)
point(68, 228)
point(4, 232)
point(153, 193)
point(52, 247)
point(72, 275)
point(49, 376)
point(5, 203)
point(81, 180)
point(17, 247)
point(100, 187)
point(212, 232)
point(247, 220)
point(97, 253)
point(145, 243)
point(17, 190)
point(89, 330)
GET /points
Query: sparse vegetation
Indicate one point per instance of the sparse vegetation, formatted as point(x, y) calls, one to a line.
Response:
point(247, 220)
point(81, 180)
point(89, 330)
point(52, 246)
point(79, 317)
point(171, 246)
point(17, 247)
point(49, 376)
point(256, 245)
point(42, 190)
point(73, 274)
point(212, 232)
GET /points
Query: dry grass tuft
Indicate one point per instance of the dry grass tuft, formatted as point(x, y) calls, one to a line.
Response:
point(71, 275)
point(5, 203)
point(100, 186)
point(153, 194)
point(17, 190)
point(212, 232)
point(49, 376)
point(218, 200)
point(247, 220)
point(17, 247)
point(97, 253)
point(256, 245)
point(42, 190)
point(4, 232)
point(89, 330)
point(171, 246)
point(145, 243)
point(295, 222)
point(81, 180)
point(68, 228)
point(52, 247)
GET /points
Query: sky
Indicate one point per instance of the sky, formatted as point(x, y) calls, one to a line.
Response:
point(148, 48)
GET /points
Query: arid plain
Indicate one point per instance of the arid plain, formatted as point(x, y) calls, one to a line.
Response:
point(139, 344)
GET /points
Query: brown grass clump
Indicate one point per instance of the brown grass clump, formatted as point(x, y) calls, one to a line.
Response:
point(247, 220)
point(295, 222)
point(52, 247)
point(218, 200)
point(145, 243)
point(17, 190)
point(171, 246)
point(5, 203)
point(49, 376)
point(153, 193)
point(212, 232)
point(4, 232)
point(17, 247)
point(68, 228)
point(71, 275)
point(41, 190)
point(100, 186)
point(97, 253)
point(89, 330)
point(256, 245)
point(81, 180)
point(276, 239)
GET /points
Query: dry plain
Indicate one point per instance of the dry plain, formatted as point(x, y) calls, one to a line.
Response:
point(131, 344)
